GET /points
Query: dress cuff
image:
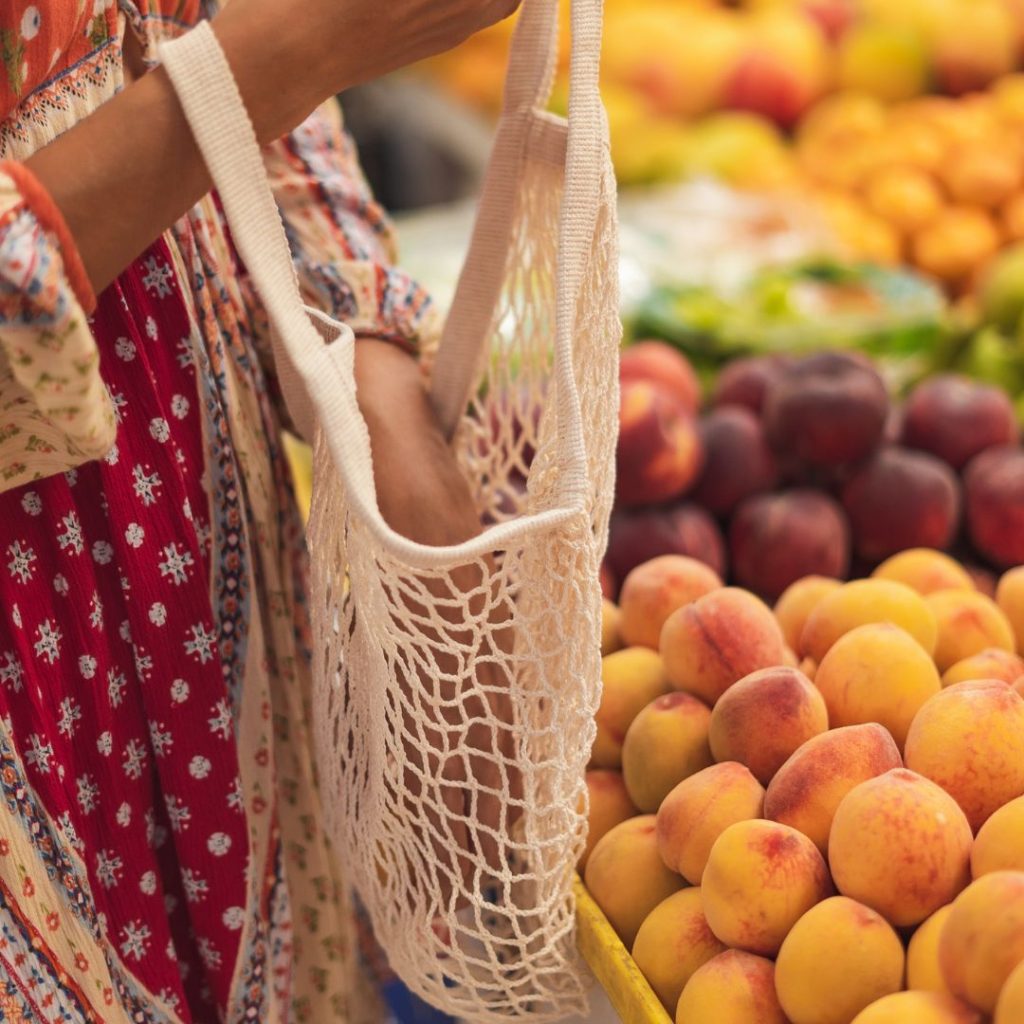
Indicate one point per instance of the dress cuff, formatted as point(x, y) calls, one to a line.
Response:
point(46, 211)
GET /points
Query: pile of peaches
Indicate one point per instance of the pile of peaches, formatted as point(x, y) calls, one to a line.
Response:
point(814, 813)
point(809, 466)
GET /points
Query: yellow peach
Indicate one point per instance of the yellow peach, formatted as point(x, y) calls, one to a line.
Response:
point(901, 845)
point(655, 589)
point(839, 957)
point(918, 1008)
point(999, 844)
point(923, 970)
point(991, 663)
point(1010, 598)
point(967, 624)
point(673, 942)
point(1010, 1007)
point(611, 640)
point(731, 988)
point(666, 743)
point(608, 805)
point(877, 673)
point(982, 941)
point(761, 720)
point(925, 570)
point(626, 876)
point(809, 787)
point(862, 602)
point(797, 602)
point(969, 739)
point(760, 879)
point(717, 640)
point(631, 680)
point(699, 810)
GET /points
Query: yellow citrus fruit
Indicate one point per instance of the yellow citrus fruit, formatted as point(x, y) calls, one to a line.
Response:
point(905, 197)
point(956, 243)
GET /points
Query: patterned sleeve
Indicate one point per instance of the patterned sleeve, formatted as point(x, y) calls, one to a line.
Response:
point(341, 240)
point(54, 409)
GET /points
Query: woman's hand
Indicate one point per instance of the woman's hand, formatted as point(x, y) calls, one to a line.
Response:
point(423, 496)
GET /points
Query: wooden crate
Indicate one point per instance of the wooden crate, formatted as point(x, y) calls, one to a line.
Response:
point(613, 967)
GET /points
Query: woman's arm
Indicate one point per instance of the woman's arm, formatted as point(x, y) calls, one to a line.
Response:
point(125, 174)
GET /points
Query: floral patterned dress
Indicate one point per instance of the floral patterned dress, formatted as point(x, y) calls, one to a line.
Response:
point(161, 857)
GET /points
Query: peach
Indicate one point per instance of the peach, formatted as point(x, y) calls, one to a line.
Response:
point(764, 718)
point(982, 941)
point(626, 877)
point(984, 580)
point(862, 602)
point(955, 418)
point(717, 640)
point(876, 673)
point(925, 570)
point(737, 460)
point(829, 409)
point(1018, 687)
point(918, 1008)
point(901, 845)
point(991, 663)
point(673, 942)
point(839, 957)
point(611, 639)
point(797, 602)
point(994, 489)
point(760, 879)
point(901, 499)
point(640, 535)
point(1010, 598)
point(699, 809)
point(999, 844)
point(608, 805)
point(923, 969)
point(661, 364)
point(666, 743)
point(1010, 1006)
point(968, 623)
point(731, 988)
point(659, 453)
point(777, 539)
point(655, 589)
point(744, 382)
point(969, 739)
point(809, 787)
point(631, 680)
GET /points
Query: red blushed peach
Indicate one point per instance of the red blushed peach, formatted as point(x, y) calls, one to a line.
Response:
point(655, 589)
point(661, 364)
point(659, 454)
point(955, 418)
point(712, 643)
point(777, 539)
point(640, 535)
point(809, 787)
point(744, 382)
point(764, 718)
point(737, 460)
point(828, 410)
point(991, 663)
point(902, 499)
point(994, 489)
point(731, 988)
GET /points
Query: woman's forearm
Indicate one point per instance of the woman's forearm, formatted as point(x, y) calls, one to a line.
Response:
point(130, 170)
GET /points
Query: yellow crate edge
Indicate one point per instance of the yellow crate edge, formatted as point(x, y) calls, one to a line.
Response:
point(615, 970)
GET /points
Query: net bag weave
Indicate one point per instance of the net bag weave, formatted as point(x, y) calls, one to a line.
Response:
point(455, 688)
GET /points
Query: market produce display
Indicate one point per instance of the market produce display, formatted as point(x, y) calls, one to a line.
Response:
point(813, 813)
point(810, 466)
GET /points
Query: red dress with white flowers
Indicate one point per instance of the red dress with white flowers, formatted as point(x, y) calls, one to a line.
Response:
point(161, 857)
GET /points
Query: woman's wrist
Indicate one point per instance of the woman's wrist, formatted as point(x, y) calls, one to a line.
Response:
point(279, 76)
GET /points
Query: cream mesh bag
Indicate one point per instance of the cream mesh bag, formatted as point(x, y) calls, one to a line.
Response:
point(455, 687)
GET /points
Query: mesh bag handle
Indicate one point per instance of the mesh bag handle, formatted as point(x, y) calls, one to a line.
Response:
point(317, 379)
